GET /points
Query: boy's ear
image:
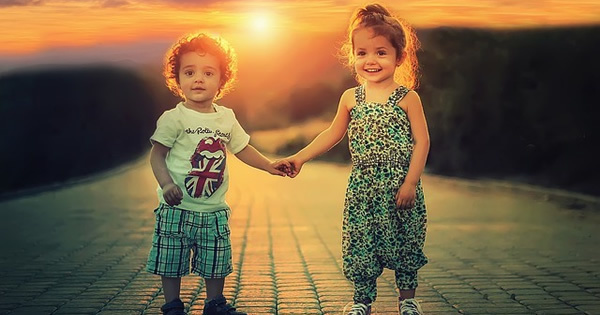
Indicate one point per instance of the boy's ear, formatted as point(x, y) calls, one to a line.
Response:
point(400, 59)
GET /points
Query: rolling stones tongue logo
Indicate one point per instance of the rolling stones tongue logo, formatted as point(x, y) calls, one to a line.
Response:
point(208, 166)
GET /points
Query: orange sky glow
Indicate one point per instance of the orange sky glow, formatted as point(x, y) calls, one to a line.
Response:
point(29, 26)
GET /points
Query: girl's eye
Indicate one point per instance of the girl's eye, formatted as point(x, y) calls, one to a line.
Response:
point(382, 53)
point(360, 53)
point(209, 74)
point(189, 73)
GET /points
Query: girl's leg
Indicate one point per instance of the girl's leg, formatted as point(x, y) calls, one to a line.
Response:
point(407, 284)
point(171, 288)
point(407, 294)
point(214, 288)
point(361, 264)
point(365, 291)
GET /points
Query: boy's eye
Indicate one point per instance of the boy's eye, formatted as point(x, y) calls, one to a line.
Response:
point(360, 53)
point(209, 74)
point(382, 53)
point(189, 72)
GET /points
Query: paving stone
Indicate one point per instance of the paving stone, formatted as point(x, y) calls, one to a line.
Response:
point(490, 252)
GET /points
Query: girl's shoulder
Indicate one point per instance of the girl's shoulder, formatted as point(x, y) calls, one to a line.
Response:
point(350, 93)
point(348, 98)
point(410, 99)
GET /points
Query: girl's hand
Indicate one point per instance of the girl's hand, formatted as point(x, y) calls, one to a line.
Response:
point(406, 195)
point(280, 167)
point(296, 166)
point(172, 194)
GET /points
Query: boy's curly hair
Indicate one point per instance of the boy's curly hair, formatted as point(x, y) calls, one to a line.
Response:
point(202, 43)
point(397, 31)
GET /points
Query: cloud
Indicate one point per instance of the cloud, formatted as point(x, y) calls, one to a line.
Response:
point(100, 3)
point(198, 2)
point(114, 3)
point(187, 3)
point(11, 3)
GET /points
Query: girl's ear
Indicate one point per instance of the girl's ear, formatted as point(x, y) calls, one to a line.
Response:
point(400, 59)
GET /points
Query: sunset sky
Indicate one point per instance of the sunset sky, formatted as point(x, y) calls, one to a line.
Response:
point(30, 26)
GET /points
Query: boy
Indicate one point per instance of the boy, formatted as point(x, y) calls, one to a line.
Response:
point(188, 158)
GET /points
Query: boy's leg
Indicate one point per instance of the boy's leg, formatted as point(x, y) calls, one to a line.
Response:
point(214, 288)
point(171, 288)
point(215, 303)
point(170, 255)
point(212, 260)
point(211, 252)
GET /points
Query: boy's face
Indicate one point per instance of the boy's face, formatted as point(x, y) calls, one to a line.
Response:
point(199, 78)
point(375, 57)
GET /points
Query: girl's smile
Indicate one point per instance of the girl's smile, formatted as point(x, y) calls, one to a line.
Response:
point(375, 57)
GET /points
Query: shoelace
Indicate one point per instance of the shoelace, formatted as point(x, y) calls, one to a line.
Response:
point(358, 309)
point(409, 307)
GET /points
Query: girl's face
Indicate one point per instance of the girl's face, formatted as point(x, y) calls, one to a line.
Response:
point(375, 57)
point(199, 78)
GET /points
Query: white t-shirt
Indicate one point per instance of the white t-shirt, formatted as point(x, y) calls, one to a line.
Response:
point(197, 160)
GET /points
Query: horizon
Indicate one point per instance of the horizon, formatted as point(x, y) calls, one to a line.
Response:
point(34, 26)
point(281, 46)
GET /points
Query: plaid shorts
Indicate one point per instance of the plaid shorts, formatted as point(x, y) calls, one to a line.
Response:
point(179, 233)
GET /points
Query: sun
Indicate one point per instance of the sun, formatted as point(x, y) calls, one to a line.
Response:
point(261, 23)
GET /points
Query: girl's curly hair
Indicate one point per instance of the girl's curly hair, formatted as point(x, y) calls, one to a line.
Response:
point(202, 43)
point(399, 33)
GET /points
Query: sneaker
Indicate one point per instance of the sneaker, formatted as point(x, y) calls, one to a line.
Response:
point(174, 307)
point(219, 306)
point(358, 309)
point(410, 307)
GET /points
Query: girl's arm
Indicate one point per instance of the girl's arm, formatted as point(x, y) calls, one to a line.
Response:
point(327, 138)
point(406, 195)
point(171, 192)
point(252, 157)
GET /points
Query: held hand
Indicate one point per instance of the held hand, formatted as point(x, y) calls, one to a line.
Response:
point(406, 195)
point(280, 167)
point(172, 194)
point(296, 166)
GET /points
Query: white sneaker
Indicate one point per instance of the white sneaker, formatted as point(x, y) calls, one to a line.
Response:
point(358, 309)
point(410, 307)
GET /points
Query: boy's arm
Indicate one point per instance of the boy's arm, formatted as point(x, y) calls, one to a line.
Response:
point(327, 138)
point(252, 157)
point(171, 192)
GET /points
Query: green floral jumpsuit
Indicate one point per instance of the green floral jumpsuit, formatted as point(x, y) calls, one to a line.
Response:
point(375, 232)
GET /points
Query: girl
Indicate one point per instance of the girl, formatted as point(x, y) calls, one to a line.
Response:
point(384, 215)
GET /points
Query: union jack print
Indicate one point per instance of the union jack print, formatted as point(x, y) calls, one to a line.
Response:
point(208, 167)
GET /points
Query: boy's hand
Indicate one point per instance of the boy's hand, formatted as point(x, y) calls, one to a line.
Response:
point(406, 195)
point(172, 194)
point(280, 167)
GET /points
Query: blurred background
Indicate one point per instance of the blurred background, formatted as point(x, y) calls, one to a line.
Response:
point(509, 87)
